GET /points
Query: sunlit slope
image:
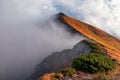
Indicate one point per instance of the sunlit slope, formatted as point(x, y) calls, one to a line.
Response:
point(92, 32)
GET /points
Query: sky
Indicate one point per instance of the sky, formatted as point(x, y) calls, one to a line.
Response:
point(28, 33)
point(101, 13)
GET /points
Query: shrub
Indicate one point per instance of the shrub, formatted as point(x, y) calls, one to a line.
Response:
point(94, 62)
point(102, 77)
point(53, 78)
point(96, 49)
point(58, 75)
point(68, 71)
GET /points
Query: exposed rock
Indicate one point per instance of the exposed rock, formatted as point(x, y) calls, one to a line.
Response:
point(59, 60)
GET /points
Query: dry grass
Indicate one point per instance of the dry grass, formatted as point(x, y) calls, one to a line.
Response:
point(96, 34)
point(112, 44)
point(46, 76)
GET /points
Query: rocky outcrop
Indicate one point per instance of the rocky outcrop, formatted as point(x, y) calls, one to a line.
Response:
point(59, 60)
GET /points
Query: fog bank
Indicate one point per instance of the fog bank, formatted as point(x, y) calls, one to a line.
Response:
point(26, 40)
point(28, 34)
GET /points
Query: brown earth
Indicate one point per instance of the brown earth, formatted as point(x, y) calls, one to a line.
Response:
point(111, 43)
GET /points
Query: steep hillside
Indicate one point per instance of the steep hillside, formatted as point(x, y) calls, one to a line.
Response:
point(91, 32)
point(59, 60)
point(111, 43)
point(108, 45)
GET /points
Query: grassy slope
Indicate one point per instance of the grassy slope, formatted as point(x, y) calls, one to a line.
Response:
point(111, 43)
point(81, 75)
point(93, 33)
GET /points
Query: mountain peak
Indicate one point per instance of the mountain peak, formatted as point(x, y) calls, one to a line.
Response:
point(111, 43)
point(95, 38)
point(91, 32)
point(60, 13)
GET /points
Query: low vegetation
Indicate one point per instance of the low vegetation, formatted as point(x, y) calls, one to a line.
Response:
point(102, 77)
point(53, 78)
point(94, 62)
point(68, 71)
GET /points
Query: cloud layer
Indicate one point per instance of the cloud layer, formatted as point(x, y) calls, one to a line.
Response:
point(102, 13)
point(27, 34)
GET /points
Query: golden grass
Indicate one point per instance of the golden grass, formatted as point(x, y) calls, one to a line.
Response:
point(94, 33)
point(110, 42)
point(46, 76)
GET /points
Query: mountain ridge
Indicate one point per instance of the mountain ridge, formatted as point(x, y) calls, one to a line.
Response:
point(91, 32)
point(59, 60)
point(109, 44)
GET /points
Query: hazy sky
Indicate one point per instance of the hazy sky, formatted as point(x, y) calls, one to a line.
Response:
point(27, 33)
point(102, 13)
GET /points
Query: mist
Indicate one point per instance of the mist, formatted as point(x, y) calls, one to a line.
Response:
point(23, 48)
point(28, 32)
point(27, 37)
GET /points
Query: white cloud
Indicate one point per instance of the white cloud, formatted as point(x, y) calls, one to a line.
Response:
point(21, 31)
point(26, 37)
point(104, 14)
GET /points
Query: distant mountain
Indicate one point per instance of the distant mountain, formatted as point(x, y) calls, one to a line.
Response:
point(59, 60)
